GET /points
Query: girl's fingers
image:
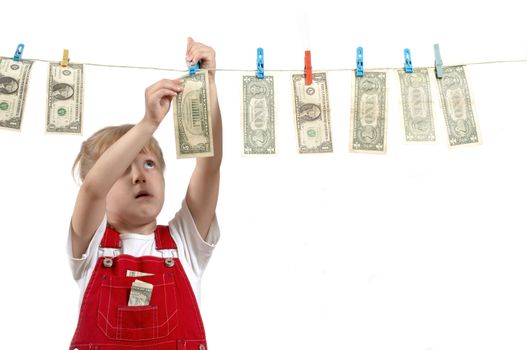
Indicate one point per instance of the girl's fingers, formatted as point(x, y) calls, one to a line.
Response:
point(161, 93)
point(192, 46)
point(204, 54)
point(190, 42)
point(164, 84)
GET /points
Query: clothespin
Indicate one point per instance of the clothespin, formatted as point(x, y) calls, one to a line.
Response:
point(259, 63)
point(193, 69)
point(408, 68)
point(360, 62)
point(439, 62)
point(308, 70)
point(65, 58)
point(18, 53)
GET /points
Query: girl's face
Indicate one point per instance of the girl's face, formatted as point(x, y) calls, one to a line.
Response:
point(137, 197)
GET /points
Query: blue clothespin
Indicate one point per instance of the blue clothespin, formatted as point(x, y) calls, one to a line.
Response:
point(18, 53)
point(193, 69)
point(360, 62)
point(439, 62)
point(260, 63)
point(408, 68)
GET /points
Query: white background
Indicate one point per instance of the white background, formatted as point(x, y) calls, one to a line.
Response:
point(421, 248)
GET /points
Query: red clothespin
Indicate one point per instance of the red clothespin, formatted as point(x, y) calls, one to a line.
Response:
point(308, 70)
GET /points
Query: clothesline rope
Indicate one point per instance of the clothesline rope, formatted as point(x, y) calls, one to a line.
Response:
point(273, 70)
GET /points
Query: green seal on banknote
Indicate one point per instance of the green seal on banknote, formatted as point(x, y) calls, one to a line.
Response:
point(4, 106)
point(61, 112)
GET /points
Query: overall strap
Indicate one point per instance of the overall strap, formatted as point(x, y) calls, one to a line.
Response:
point(164, 239)
point(110, 239)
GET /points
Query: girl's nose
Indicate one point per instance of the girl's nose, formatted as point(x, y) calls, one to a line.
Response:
point(138, 176)
point(139, 180)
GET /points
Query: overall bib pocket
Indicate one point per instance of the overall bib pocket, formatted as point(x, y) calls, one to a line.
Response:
point(119, 321)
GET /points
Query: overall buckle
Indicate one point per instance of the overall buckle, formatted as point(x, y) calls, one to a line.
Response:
point(108, 260)
point(169, 261)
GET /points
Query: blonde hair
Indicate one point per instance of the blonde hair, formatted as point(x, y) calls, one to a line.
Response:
point(98, 143)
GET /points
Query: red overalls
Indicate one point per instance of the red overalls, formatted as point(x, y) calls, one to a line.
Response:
point(172, 319)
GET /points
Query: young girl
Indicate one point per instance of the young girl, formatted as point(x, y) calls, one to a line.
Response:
point(114, 238)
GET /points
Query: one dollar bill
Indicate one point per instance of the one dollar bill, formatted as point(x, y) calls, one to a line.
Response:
point(14, 76)
point(458, 107)
point(368, 126)
point(192, 117)
point(312, 117)
point(140, 294)
point(416, 105)
point(131, 273)
point(65, 98)
point(258, 115)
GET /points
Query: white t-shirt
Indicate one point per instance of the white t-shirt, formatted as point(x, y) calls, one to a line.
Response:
point(193, 252)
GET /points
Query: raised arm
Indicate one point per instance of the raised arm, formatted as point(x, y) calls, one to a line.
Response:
point(203, 189)
point(90, 205)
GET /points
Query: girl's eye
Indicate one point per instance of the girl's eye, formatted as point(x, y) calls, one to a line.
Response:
point(149, 164)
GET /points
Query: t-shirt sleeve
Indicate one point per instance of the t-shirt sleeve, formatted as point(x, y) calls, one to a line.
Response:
point(196, 251)
point(79, 266)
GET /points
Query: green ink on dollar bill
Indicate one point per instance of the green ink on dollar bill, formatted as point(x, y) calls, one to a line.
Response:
point(312, 117)
point(458, 108)
point(417, 109)
point(14, 76)
point(65, 98)
point(258, 115)
point(368, 126)
point(192, 117)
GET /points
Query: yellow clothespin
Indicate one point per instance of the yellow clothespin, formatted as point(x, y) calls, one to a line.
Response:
point(65, 58)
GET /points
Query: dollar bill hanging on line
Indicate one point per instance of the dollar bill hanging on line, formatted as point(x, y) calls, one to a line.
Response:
point(258, 115)
point(65, 98)
point(14, 76)
point(312, 115)
point(416, 105)
point(368, 117)
point(458, 108)
point(192, 117)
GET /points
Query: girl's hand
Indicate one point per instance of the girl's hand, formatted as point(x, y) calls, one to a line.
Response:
point(199, 52)
point(158, 98)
